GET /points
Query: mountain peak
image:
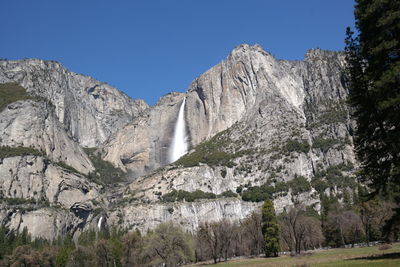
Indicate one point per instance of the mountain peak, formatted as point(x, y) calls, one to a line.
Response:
point(247, 48)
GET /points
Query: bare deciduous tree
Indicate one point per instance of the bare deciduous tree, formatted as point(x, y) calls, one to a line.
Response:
point(348, 224)
point(299, 231)
point(215, 240)
point(374, 214)
point(132, 248)
point(252, 234)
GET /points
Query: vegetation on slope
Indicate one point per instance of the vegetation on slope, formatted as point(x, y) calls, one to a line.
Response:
point(328, 112)
point(333, 177)
point(6, 151)
point(105, 172)
point(300, 146)
point(212, 152)
point(182, 195)
point(324, 143)
point(11, 92)
point(266, 191)
point(67, 167)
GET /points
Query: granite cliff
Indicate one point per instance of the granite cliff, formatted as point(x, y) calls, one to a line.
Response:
point(251, 121)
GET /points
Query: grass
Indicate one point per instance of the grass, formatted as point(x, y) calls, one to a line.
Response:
point(341, 257)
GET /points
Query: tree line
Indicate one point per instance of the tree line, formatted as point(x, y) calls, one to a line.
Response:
point(295, 230)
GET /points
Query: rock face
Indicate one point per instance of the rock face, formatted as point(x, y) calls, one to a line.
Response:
point(144, 144)
point(188, 215)
point(91, 111)
point(41, 196)
point(251, 120)
point(270, 98)
point(277, 119)
point(225, 93)
point(33, 124)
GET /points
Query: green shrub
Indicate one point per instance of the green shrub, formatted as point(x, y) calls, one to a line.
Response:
point(65, 166)
point(105, 172)
point(227, 194)
point(333, 176)
point(97, 211)
point(301, 146)
point(11, 92)
point(223, 173)
point(239, 189)
point(263, 192)
point(7, 152)
point(181, 195)
point(323, 144)
point(319, 185)
point(281, 187)
point(335, 114)
point(18, 201)
point(299, 185)
point(258, 193)
point(213, 152)
point(170, 210)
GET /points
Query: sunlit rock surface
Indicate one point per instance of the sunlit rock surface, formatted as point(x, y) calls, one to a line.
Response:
point(281, 119)
point(90, 110)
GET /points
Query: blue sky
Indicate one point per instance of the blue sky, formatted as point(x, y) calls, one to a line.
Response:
point(148, 48)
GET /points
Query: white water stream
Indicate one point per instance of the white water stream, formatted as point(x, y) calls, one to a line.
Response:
point(179, 146)
point(99, 223)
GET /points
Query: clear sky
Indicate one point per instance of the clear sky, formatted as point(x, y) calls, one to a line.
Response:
point(148, 48)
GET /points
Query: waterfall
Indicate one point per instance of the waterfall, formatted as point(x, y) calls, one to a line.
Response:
point(179, 145)
point(99, 223)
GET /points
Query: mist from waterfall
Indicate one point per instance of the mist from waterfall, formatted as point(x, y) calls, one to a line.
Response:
point(179, 146)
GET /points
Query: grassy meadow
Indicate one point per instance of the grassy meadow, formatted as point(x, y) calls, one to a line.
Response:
point(341, 257)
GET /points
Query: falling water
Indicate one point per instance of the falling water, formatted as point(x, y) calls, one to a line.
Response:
point(99, 223)
point(179, 143)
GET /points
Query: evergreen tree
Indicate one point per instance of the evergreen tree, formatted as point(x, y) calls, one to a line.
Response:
point(23, 238)
point(374, 80)
point(3, 241)
point(67, 246)
point(270, 229)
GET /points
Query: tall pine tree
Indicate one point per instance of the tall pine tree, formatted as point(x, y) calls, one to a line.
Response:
point(270, 229)
point(374, 80)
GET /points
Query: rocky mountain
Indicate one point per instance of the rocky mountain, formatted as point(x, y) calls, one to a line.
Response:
point(90, 110)
point(255, 126)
